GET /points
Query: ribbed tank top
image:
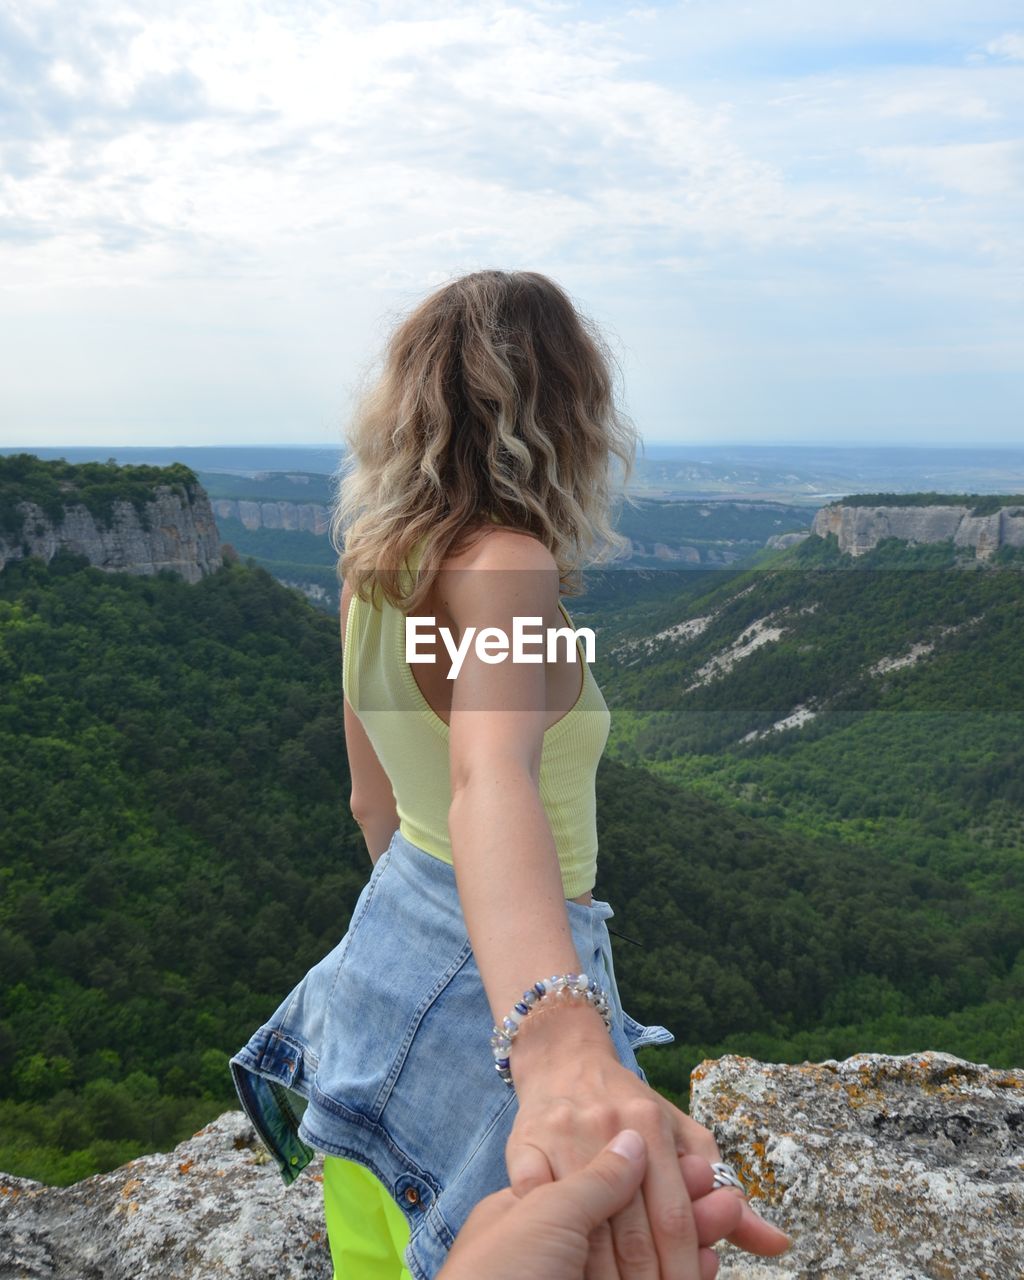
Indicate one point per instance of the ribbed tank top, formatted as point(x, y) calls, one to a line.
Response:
point(411, 742)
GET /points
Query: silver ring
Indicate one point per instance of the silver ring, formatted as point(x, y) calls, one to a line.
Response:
point(725, 1176)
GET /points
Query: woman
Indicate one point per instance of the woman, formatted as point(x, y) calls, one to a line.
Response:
point(480, 483)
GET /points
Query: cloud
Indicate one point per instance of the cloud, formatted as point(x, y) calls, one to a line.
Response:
point(937, 102)
point(239, 128)
point(720, 165)
point(1009, 46)
point(511, 126)
point(981, 170)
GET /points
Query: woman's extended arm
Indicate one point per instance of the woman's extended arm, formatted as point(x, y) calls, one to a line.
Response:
point(574, 1094)
point(506, 863)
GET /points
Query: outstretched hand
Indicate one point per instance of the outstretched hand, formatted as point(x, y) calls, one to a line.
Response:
point(556, 1230)
point(547, 1232)
point(565, 1115)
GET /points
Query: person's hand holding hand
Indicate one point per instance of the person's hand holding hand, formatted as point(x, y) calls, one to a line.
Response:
point(574, 1096)
point(555, 1230)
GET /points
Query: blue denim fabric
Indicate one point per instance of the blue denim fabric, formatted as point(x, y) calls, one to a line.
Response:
point(387, 1039)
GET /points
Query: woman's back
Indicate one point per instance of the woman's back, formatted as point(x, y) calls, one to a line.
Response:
point(406, 716)
point(495, 397)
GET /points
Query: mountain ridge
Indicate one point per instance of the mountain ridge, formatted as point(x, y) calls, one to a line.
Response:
point(140, 520)
point(968, 521)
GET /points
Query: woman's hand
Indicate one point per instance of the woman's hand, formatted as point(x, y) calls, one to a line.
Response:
point(556, 1231)
point(574, 1096)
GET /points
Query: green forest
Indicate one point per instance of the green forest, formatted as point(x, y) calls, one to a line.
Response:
point(711, 522)
point(986, 504)
point(178, 849)
point(294, 554)
point(910, 766)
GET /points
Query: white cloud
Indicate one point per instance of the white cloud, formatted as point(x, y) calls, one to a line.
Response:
point(317, 164)
point(230, 133)
point(240, 128)
point(1009, 46)
point(981, 170)
point(936, 102)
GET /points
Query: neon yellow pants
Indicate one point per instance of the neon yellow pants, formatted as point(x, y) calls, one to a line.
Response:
point(366, 1230)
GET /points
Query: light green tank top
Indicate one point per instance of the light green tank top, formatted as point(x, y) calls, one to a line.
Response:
point(411, 742)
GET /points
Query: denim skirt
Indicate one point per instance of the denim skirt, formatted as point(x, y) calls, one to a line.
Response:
point(386, 1042)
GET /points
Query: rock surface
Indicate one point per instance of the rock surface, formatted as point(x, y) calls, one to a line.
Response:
point(894, 1168)
point(215, 1206)
point(312, 517)
point(780, 541)
point(860, 529)
point(182, 536)
point(721, 553)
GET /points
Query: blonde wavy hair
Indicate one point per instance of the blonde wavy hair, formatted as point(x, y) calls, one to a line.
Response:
point(496, 397)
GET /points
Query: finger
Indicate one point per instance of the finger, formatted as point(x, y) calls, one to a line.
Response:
point(741, 1226)
point(668, 1206)
point(709, 1264)
point(527, 1167)
point(598, 1191)
point(755, 1235)
point(594, 1193)
point(693, 1138)
point(601, 1263)
point(717, 1217)
point(633, 1241)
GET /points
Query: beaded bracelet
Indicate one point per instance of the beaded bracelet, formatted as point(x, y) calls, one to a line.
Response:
point(576, 984)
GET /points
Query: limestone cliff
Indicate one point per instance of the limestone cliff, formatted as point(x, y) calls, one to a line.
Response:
point(312, 517)
point(893, 1168)
point(859, 529)
point(171, 530)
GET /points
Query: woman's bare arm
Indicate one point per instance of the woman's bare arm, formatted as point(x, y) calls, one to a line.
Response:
point(573, 1092)
point(372, 800)
point(506, 863)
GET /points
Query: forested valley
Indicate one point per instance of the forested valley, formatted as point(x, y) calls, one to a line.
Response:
point(178, 849)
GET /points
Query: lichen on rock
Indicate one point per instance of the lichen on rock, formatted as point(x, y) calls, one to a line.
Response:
point(893, 1168)
point(897, 1168)
point(214, 1206)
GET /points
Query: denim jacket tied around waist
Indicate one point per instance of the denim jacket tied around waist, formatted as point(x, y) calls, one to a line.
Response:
point(386, 1042)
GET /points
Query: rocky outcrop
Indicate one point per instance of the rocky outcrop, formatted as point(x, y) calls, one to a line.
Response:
point(686, 555)
point(675, 555)
point(780, 541)
point(894, 1168)
point(311, 517)
point(215, 1206)
point(860, 529)
point(311, 590)
point(177, 533)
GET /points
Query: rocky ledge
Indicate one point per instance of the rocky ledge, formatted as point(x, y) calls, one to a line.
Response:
point(894, 1168)
point(859, 529)
point(214, 1206)
point(178, 533)
point(312, 517)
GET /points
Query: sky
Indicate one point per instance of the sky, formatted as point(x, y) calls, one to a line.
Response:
point(794, 222)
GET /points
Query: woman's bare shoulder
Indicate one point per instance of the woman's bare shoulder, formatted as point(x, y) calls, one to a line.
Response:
point(501, 558)
point(497, 547)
